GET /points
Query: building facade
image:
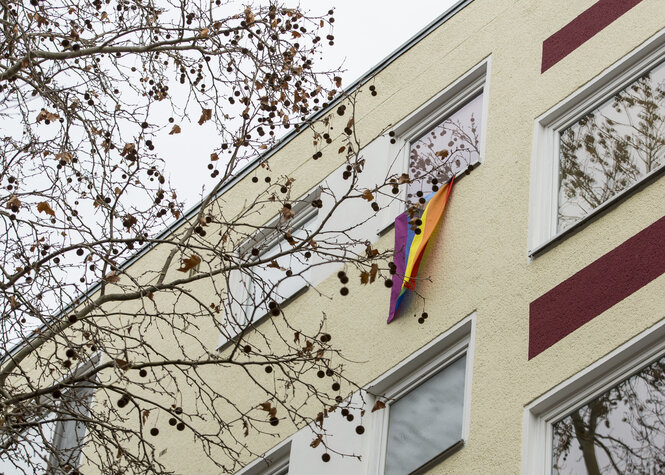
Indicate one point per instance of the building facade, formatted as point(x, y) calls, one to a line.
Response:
point(535, 344)
point(544, 329)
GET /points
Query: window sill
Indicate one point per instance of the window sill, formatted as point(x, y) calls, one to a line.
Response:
point(596, 213)
point(439, 458)
point(236, 339)
point(387, 227)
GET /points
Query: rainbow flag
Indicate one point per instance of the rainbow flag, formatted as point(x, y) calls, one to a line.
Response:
point(410, 247)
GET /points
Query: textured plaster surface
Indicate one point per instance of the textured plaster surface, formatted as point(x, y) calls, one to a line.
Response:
point(478, 260)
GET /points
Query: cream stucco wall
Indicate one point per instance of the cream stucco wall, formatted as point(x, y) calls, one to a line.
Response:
point(479, 260)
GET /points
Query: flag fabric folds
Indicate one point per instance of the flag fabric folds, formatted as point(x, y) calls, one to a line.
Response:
point(410, 247)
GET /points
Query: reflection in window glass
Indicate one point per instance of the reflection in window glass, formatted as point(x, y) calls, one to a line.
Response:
point(612, 147)
point(270, 282)
point(620, 432)
point(53, 442)
point(426, 421)
point(445, 150)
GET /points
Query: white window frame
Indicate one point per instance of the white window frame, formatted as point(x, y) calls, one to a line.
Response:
point(544, 199)
point(273, 462)
point(579, 390)
point(267, 240)
point(413, 371)
point(57, 426)
point(429, 115)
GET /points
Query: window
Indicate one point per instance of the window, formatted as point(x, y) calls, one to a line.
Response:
point(427, 400)
point(427, 420)
point(54, 442)
point(282, 277)
point(596, 146)
point(274, 462)
point(622, 429)
point(276, 279)
point(443, 138)
point(445, 149)
point(607, 419)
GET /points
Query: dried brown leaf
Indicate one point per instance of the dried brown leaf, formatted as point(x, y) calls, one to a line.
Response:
point(273, 264)
point(112, 277)
point(122, 364)
point(372, 273)
point(287, 213)
point(13, 201)
point(367, 195)
point(44, 207)
point(190, 263)
point(175, 130)
point(403, 178)
point(378, 405)
point(206, 115)
point(66, 156)
point(315, 443)
point(46, 115)
point(128, 148)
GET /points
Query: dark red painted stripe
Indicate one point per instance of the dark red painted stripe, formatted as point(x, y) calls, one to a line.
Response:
point(586, 25)
point(597, 287)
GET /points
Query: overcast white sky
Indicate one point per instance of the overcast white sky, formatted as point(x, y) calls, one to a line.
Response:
point(366, 31)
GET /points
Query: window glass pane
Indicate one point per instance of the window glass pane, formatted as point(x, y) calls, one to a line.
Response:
point(426, 421)
point(70, 432)
point(32, 454)
point(621, 431)
point(446, 149)
point(272, 283)
point(612, 147)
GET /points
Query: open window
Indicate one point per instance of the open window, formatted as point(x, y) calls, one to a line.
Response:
point(442, 139)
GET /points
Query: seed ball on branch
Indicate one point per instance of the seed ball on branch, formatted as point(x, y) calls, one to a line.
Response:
point(123, 401)
point(173, 421)
point(274, 421)
point(325, 457)
point(180, 426)
point(154, 431)
point(360, 430)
